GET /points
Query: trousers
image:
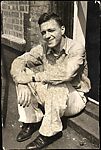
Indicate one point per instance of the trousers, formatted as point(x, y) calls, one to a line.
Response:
point(59, 100)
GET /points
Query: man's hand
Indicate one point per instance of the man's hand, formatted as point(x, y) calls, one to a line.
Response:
point(24, 95)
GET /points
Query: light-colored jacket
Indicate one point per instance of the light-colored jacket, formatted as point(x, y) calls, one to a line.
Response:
point(71, 67)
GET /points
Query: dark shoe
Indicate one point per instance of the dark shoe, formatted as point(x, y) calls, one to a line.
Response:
point(43, 141)
point(27, 130)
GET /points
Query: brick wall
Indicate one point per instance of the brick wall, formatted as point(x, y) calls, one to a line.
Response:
point(19, 19)
point(12, 15)
point(36, 9)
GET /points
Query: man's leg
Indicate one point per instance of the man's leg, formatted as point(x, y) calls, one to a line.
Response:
point(59, 100)
point(30, 114)
point(30, 117)
point(56, 101)
point(54, 98)
point(55, 106)
point(76, 101)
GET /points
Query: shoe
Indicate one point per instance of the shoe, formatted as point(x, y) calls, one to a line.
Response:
point(27, 130)
point(43, 141)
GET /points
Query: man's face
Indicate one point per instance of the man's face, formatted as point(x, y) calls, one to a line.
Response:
point(52, 33)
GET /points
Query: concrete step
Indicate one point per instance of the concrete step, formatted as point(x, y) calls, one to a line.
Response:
point(87, 126)
point(92, 110)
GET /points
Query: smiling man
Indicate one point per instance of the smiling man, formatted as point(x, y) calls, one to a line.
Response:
point(54, 75)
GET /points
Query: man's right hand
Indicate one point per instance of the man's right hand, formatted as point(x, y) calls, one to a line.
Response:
point(24, 95)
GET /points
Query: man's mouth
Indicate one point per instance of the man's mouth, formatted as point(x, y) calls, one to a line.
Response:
point(50, 41)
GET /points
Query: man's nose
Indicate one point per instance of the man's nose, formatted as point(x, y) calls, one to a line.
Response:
point(47, 35)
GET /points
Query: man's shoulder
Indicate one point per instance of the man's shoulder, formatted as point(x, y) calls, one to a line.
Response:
point(74, 42)
point(39, 48)
point(74, 46)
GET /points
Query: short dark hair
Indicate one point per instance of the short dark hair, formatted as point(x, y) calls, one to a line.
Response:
point(48, 16)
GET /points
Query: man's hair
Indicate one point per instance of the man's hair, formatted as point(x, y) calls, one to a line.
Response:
point(48, 16)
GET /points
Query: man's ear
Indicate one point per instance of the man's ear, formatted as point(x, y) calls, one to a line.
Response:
point(63, 29)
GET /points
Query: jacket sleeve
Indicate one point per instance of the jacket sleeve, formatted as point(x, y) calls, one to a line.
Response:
point(67, 70)
point(18, 67)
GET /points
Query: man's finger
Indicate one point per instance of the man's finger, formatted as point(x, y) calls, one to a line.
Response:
point(19, 96)
point(22, 98)
point(25, 99)
point(29, 100)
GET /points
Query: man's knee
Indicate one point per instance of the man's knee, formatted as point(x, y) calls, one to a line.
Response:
point(74, 109)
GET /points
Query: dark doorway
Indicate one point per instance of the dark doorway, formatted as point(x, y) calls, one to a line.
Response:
point(65, 9)
point(93, 48)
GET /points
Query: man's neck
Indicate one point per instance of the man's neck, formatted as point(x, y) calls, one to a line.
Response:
point(59, 47)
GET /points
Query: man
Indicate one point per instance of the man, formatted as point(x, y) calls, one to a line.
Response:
point(53, 74)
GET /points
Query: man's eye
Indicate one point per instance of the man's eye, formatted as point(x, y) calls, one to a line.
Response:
point(43, 33)
point(51, 30)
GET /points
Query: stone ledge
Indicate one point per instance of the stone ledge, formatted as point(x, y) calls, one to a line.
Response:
point(13, 42)
point(86, 126)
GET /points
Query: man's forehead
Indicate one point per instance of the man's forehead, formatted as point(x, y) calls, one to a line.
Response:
point(49, 23)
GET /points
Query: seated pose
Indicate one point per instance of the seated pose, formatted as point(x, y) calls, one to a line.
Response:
point(53, 75)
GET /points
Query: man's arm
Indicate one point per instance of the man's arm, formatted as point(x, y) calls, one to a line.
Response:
point(18, 66)
point(65, 71)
